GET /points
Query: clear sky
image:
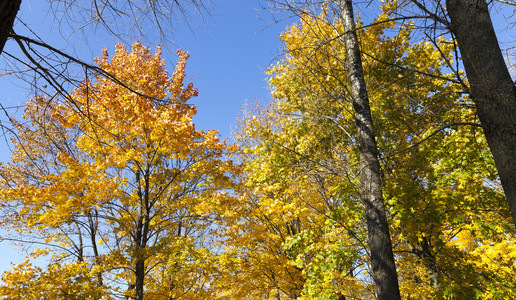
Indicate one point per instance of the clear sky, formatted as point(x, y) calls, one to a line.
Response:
point(230, 50)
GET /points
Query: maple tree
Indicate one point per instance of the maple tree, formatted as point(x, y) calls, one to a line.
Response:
point(119, 189)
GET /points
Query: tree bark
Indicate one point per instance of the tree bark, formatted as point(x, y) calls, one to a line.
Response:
point(492, 88)
point(8, 11)
point(139, 278)
point(382, 257)
point(142, 231)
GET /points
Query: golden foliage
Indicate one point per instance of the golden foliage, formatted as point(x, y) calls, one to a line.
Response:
point(115, 177)
point(448, 220)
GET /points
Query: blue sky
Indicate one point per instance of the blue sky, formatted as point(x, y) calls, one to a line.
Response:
point(230, 51)
point(228, 61)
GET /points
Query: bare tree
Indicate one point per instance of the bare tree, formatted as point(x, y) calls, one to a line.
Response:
point(114, 16)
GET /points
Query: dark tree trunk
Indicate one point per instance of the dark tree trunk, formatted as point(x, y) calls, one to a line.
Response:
point(382, 257)
point(8, 11)
point(142, 231)
point(139, 278)
point(492, 88)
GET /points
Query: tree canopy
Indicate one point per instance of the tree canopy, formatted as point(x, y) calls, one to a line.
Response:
point(114, 193)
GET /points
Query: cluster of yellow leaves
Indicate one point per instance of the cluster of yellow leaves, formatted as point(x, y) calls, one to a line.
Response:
point(69, 281)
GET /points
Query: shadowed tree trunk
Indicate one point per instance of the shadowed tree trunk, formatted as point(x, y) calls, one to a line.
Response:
point(142, 232)
point(8, 11)
point(382, 257)
point(492, 88)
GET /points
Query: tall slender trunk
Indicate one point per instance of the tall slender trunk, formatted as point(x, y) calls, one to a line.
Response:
point(8, 11)
point(492, 88)
point(142, 232)
point(382, 257)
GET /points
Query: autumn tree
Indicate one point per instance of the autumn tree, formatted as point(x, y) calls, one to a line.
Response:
point(449, 224)
point(119, 191)
point(492, 88)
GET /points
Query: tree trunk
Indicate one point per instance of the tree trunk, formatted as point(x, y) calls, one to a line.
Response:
point(139, 278)
point(142, 230)
point(492, 88)
point(8, 11)
point(382, 257)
